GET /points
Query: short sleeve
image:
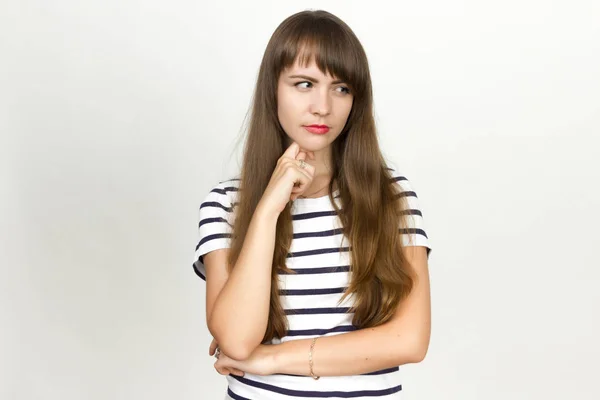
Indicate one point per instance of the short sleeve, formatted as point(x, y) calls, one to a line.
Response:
point(214, 223)
point(414, 233)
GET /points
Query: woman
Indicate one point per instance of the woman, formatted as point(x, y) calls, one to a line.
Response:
point(315, 256)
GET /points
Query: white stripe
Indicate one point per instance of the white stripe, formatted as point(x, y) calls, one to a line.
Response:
point(294, 282)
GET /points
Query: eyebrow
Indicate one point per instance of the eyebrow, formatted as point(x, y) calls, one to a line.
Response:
point(308, 78)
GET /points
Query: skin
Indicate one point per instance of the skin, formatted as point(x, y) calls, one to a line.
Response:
point(405, 338)
point(307, 96)
point(314, 98)
point(402, 340)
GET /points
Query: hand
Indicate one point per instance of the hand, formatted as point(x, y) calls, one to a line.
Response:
point(222, 370)
point(288, 180)
point(260, 362)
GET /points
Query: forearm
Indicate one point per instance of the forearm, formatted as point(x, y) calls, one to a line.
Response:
point(240, 314)
point(358, 352)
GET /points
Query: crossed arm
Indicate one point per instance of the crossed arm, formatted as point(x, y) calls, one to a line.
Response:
point(402, 340)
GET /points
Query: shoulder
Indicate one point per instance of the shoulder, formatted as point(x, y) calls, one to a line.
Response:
point(222, 194)
point(215, 219)
point(413, 227)
point(399, 179)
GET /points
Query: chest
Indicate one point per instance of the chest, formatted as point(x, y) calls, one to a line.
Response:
point(320, 261)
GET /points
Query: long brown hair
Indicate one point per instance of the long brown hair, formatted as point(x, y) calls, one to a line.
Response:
point(381, 277)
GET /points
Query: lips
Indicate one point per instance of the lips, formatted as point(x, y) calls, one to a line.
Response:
point(317, 129)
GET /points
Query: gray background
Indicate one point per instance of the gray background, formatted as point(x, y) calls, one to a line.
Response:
point(117, 117)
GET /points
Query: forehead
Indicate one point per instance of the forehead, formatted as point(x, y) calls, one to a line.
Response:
point(308, 67)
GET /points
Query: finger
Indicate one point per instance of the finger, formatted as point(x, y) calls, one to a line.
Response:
point(308, 169)
point(233, 367)
point(310, 154)
point(301, 155)
point(213, 347)
point(297, 191)
point(302, 183)
point(221, 370)
point(292, 150)
point(236, 372)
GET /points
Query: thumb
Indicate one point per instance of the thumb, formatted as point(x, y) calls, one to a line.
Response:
point(292, 150)
point(301, 155)
point(212, 347)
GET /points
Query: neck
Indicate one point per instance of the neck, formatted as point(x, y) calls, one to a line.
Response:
point(323, 173)
point(322, 161)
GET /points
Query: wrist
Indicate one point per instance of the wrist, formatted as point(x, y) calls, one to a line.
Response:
point(264, 212)
point(275, 357)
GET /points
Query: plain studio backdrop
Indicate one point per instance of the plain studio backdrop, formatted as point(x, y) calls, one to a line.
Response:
point(118, 117)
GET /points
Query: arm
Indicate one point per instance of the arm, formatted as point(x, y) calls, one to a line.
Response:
point(404, 339)
point(238, 304)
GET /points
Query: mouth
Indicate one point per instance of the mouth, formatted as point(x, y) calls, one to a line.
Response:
point(317, 129)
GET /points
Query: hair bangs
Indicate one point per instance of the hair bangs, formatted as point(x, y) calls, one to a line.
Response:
point(329, 46)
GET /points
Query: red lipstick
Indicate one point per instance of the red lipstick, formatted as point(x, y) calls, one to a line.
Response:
point(317, 129)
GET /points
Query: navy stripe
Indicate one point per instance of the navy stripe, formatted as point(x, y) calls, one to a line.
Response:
point(331, 232)
point(231, 180)
point(225, 190)
point(215, 204)
point(398, 178)
point(315, 393)
point(298, 216)
point(314, 214)
point(306, 252)
point(406, 193)
point(296, 236)
point(413, 230)
point(317, 251)
point(235, 396)
point(211, 220)
point(383, 371)
point(311, 332)
point(321, 270)
point(324, 310)
point(346, 249)
point(308, 292)
point(211, 237)
point(412, 212)
point(198, 272)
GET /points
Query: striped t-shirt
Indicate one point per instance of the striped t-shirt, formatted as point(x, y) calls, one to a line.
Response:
point(310, 296)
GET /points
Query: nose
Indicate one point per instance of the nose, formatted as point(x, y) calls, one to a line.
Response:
point(321, 102)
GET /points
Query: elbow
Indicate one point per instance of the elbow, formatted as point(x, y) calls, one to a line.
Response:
point(419, 350)
point(412, 351)
point(236, 351)
point(232, 345)
point(419, 355)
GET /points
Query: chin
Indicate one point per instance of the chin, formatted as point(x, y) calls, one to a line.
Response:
point(311, 145)
point(313, 142)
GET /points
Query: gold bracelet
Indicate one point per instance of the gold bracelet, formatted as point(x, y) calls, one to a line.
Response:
point(310, 359)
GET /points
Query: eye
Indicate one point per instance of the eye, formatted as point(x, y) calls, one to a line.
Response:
point(344, 89)
point(300, 83)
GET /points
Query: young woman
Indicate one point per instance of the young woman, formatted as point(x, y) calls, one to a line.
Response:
point(315, 255)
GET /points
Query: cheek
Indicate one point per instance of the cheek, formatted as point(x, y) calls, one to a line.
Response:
point(286, 108)
point(344, 110)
